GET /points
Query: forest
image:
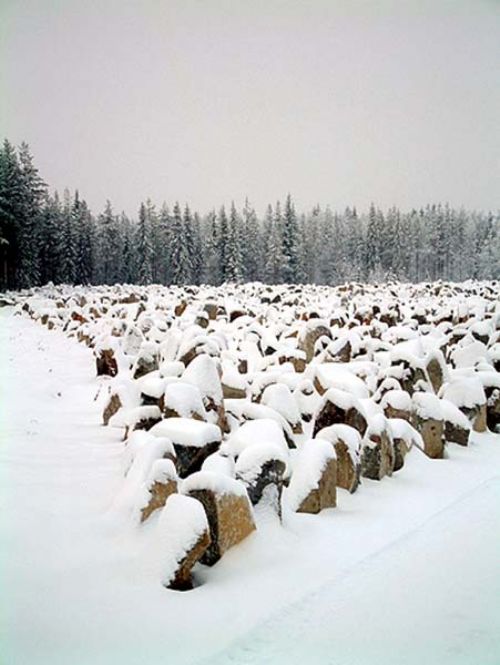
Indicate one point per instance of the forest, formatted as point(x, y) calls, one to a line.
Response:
point(48, 238)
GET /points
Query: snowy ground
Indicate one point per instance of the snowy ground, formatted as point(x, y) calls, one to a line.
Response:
point(406, 570)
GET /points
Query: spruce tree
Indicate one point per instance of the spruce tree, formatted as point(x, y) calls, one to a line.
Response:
point(290, 243)
point(144, 246)
point(179, 256)
point(234, 268)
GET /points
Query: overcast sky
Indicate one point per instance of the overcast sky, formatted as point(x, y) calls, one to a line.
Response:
point(339, 102)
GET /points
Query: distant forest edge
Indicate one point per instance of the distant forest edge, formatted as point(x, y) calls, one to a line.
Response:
point(44, 238)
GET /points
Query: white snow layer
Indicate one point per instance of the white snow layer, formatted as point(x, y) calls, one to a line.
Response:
point(187, 432)
point(181, 524)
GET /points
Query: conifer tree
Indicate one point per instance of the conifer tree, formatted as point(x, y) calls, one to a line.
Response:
point(144, 246)
point(180, 259)
point(290, 243)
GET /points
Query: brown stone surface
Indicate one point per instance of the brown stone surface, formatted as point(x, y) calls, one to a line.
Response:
point(113, 406)
point(331, 414)
point(106, 363)
point(435, 374)
point(325, 495)
point(230, 520)
point(477, 416)
point(347, 471)
point(230, 392)
point(456, 434)
point(391, 412)
point(183, 580)
point(159, 493)
point(310, 338)
point(400, 452)
point(377, 460)
point(432, 432)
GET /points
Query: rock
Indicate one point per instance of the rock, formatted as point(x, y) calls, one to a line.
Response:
point(428, 421)
point(106, 364)
point(147, 360)
point(184, 539)
point(434, 368)
point(314, 479)
point(202, 372)
point(202, 320)
point(278, 396)
point(467, 393)
point(161, 483)
point(377, 456)
point(113, 405)
point(397, 404)
point(492, 409)
point(403, 437)
point(211, 309)
point(456, 424)
point(228, 511)
point(261, 468)
point(183, 400)
point(180, 308)
point(294, 356)
point(313, 330)
point(193, 441)
point(141, 418)
point(347, 443)
point(339, 407)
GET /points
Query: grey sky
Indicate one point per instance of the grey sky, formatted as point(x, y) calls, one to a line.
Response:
point(339, 102)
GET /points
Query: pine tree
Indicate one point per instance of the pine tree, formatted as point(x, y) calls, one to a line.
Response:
point(33, 193)
point(107, 246)
point(129, 267)
point(190, 243)
point(68, 247)
point(234, 268)
point(274, 259)
point(179, 257)
point(222, 242)
point(162, 250)
point(374, 239)
point(144, 246)
point(251, 244)
point(84, 233)
point(211, 261)
point(11, 211)
point(290, 243)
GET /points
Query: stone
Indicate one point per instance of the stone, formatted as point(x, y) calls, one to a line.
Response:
point(313, 486)
point(325, 494)
point(313, 331)
point(141, 418)
point(183, 540)
point(161, 483)
point(193, 441)
point(432, 432)
point(377, 454)
point(401, 449)
point(339, 407)
point(435, 373)
point(261, 468)
point(456, 434)
point(106, 364)
point(113, 405)
point(490, 419)
point(227, 508)
point(146, 362)
point(347, 443)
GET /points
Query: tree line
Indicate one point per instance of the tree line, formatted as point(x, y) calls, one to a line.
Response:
point(48, 238)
